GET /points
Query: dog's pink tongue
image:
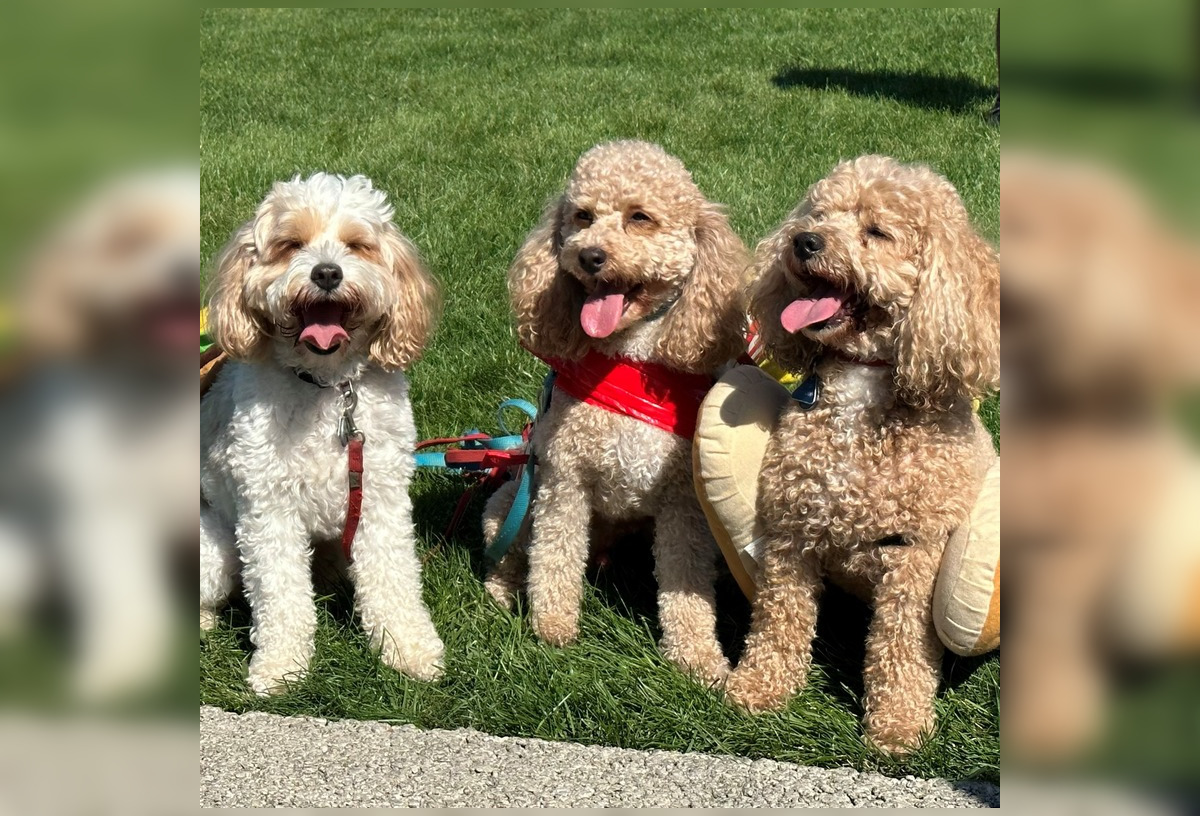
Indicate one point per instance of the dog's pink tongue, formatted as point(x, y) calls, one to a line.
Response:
point(323, 326)
point(807, 311)
point(602, 311)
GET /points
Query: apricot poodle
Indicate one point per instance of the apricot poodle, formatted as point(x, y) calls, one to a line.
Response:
point(631, 266)
point(879, 286)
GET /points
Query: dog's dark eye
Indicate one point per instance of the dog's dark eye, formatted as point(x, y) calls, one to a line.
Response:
point(876, 232)
point(638, 215)
point(583, 216)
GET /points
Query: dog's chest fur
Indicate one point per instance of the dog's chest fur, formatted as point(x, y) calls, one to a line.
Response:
point(856, 477)
point(269, 442)
point(628, 466)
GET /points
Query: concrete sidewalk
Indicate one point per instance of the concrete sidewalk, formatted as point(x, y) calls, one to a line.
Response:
point(264, 760)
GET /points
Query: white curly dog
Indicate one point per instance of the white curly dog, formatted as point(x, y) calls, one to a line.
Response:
point(317, 295)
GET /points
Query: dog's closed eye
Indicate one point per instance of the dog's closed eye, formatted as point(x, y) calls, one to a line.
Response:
point(284, 248)
point(874, 231)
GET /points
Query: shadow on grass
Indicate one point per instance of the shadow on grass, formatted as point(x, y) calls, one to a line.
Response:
point(957, 94)
point(623, 576)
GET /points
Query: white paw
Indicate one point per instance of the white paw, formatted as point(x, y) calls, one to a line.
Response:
point(272, 675)
point(104, 680)
point(208, 620)
point(419, 659)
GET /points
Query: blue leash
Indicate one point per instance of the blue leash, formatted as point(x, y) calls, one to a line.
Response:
point(519, 511)
point(507, 442)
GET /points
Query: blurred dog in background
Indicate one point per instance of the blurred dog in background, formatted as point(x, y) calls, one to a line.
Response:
point(96, 492)
point(1101, 339)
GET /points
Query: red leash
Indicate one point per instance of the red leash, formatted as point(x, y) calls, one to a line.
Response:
point(353, 440)
point(354, 450)
point(489, 467)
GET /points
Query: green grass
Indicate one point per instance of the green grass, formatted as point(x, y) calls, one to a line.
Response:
point(472, 120)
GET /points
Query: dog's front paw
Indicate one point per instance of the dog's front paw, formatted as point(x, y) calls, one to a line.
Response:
point(708, 666)
point(557, 629)
point(208, 620)
point(271, 674)
point(711, 672)
point(751, 690)
point(419, 659)
point(898, 735)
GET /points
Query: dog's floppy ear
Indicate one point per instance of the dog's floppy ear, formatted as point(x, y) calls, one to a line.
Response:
point(948, 343)
point(769, 295)
point(416, 300)
point(706, 327)
point(235, 327)
point(546, 301)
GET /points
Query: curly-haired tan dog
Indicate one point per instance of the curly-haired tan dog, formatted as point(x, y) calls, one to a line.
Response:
point(879, 285)
point(633, 262)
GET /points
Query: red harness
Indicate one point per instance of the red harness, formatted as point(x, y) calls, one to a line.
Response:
point(649, 392)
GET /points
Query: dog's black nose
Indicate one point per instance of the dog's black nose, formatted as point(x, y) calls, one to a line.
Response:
point(592, 259)
point(327, 275)
point(807, 244)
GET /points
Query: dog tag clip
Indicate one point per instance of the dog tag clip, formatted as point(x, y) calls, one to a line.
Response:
point(347, 430)
point(808, 392)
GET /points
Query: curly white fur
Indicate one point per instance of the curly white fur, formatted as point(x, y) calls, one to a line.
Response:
point(273, 471)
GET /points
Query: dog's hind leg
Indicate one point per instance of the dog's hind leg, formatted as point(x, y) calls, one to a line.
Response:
point(507, 577)
point(387, 583)
point(685, 567)
point(219, 565)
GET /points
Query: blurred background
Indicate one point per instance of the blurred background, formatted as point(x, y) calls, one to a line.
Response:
point(100, 267)
point(99, 284)
point(1101, 404)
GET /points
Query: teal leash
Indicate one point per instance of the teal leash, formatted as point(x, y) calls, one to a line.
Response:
point(491, 456)
point(519, 510)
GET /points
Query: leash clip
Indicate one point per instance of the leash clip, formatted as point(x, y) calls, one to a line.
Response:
point(347, 430)
point(808, 392)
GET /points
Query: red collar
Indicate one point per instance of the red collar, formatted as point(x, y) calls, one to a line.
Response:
point(649, 392)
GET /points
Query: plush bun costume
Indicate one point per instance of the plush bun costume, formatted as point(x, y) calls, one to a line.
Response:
point(734, 426)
